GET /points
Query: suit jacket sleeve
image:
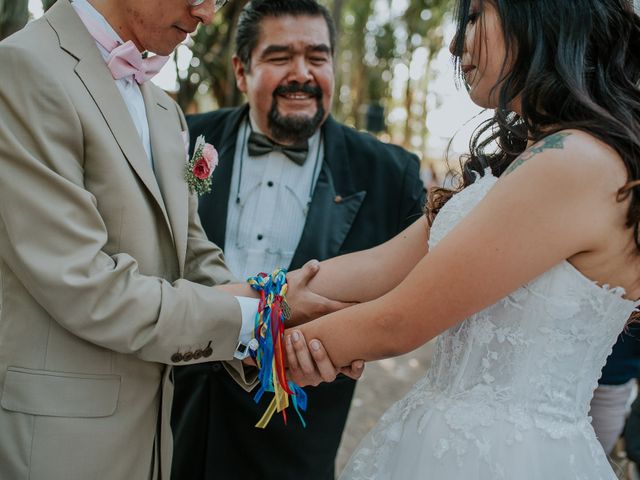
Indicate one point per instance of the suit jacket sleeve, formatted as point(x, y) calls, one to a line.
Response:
point(203, 265)
point(52, 235)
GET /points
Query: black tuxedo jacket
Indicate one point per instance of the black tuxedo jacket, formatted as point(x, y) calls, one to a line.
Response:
point(366, 193)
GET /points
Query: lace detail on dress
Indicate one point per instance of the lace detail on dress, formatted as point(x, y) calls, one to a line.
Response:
point(508, 391)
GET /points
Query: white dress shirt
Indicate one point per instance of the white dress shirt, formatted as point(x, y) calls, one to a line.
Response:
point(268, 206)
point(132, 96)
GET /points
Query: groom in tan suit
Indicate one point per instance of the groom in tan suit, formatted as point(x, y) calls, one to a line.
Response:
point(105, 274)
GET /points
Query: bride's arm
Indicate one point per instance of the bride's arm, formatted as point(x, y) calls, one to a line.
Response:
point(557, 205)
point(316, 290)
point(359, 276)
point(368, 274)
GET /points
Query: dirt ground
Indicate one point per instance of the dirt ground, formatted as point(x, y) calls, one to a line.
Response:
point(382, 383)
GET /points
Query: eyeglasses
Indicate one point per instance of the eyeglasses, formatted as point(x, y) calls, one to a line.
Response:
point(218, 4)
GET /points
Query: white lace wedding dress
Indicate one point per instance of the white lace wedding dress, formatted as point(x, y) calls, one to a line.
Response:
point(507, 395)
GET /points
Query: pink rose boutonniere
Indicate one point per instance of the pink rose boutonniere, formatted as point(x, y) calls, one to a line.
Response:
point(200, 167)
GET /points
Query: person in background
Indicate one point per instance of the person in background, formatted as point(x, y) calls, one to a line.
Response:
point(617, 388)
point(292, 184)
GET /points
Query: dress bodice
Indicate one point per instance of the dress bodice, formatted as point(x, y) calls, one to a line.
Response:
point(540, 349)
point(508, 391)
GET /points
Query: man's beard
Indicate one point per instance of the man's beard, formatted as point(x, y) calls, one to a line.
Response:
point(295, 129)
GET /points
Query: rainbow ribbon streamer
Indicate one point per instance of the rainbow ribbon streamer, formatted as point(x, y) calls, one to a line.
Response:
point(269, 356)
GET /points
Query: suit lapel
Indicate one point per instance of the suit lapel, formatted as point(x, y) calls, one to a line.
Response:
point(213, 211)
point(335, 202)
point(169, 159)
point(94, 74)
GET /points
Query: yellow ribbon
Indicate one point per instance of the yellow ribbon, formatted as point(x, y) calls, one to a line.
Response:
point(279, 402)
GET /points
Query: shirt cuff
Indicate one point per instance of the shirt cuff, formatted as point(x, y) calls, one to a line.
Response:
point(249, 308)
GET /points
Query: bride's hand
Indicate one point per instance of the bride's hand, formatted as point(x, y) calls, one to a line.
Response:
point(310, 364)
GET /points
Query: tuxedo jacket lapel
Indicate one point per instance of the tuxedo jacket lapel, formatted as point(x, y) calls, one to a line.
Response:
point(214, 213)
point(96, 77)
point(328, 222)
point(335, 202)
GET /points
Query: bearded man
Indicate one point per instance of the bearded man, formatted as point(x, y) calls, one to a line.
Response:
point(292, 185)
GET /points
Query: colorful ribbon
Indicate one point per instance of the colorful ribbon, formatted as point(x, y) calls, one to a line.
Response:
point(270, 354)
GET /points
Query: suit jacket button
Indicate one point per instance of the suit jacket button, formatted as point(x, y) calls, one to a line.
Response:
point(176, 358)
point(338, 199)
point(187, 356)
point(207, 352)
point(197, 354)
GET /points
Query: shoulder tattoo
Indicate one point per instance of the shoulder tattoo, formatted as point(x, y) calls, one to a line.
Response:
point(555, 141)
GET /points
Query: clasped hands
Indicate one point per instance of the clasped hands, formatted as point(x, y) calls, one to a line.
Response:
point(308, 361)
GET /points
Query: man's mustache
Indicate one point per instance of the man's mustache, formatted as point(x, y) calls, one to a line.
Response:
point(298, 88)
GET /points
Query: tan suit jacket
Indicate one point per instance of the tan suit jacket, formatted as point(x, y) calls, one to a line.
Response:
point(105, 272)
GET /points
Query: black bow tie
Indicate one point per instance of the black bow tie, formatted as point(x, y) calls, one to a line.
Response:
point(260, 145)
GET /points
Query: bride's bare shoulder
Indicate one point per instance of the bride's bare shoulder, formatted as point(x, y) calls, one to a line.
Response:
point(576, 155)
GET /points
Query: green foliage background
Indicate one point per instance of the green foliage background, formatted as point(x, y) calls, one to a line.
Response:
point(369, 51)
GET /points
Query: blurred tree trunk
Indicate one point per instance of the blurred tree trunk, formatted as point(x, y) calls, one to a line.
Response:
point(422, 18)
point(361, 11)
point(336, 13)
point(226, 92)
point(212, 51)
point(408, 102)
point(424, 87)
point(14, 14)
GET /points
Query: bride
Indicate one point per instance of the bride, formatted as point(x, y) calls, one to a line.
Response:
point(533, 268)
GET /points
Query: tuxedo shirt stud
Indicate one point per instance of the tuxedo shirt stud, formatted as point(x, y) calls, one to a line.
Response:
point(266, 217)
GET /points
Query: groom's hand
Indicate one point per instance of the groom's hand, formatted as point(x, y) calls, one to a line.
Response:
point(310, 364)
point(305, 304)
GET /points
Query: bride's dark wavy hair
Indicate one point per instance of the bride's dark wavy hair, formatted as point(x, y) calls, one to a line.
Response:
point(576, 64)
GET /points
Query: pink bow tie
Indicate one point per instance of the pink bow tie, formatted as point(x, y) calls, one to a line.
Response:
point(124, 59)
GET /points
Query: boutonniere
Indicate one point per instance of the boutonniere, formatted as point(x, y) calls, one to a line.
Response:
point(200, 167)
